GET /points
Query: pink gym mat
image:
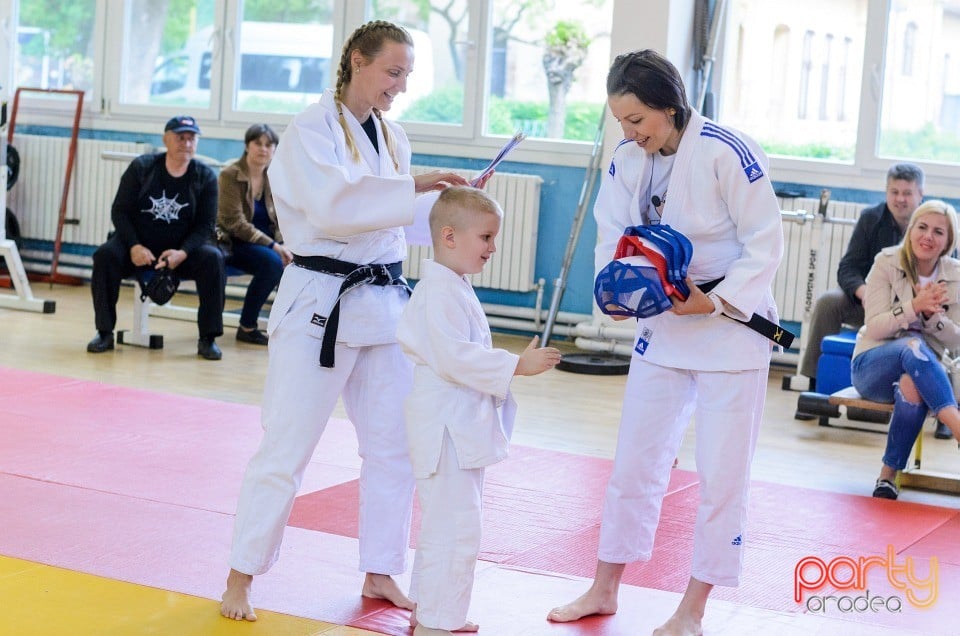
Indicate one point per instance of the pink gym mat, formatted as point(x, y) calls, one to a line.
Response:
point(141, 487)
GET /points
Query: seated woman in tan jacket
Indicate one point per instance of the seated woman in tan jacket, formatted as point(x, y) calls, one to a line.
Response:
point(912, 309)
point(247, 226)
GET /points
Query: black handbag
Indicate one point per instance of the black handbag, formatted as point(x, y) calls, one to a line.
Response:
point(159, 285)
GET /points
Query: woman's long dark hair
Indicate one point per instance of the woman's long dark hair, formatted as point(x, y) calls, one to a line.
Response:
point(653, 80)
point(257, 131)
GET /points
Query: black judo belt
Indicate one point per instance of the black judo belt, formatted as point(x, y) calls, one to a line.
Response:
point(773, 331)
point(353, 276)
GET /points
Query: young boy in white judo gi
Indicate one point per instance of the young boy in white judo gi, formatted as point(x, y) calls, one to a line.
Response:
point(460, 412)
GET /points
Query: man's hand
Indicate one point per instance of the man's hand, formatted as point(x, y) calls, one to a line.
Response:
point(534, 360)
point(141, 256)
point(171, 259)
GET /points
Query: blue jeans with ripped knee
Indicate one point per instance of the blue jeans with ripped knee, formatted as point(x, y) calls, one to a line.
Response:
point(876, 376)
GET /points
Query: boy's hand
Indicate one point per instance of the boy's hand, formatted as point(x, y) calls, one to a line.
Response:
point(534, 360)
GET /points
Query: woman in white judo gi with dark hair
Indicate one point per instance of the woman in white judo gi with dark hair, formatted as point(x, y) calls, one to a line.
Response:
point(343, 193)
point(709, 183)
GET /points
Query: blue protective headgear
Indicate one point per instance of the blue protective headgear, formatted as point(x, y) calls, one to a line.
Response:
point(675, 247)
point(630, 286)
point(649, 266)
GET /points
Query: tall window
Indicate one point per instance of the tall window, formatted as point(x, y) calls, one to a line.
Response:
point(54, 47)
point(916, 104)
point(547, 64)
point(544, 66)
point(778, 79)
point(442, 51)
point(950, 113)
point(909, 48)
point(803, 96)
point(282, 61)
point(915, 100)
point(814, 75)
point(825, 74)
point(842, 79)
point(482, 69)
point(168, 56)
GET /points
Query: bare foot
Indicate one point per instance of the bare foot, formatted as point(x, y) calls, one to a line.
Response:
point(236, 599)
point(679, 625)
point(593, 602)
point(382, 586)
point(469, 626)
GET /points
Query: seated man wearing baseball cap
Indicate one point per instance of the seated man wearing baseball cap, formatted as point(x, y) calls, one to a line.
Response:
point(164, 213)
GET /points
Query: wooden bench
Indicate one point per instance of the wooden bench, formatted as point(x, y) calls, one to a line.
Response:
point(861, 415)
point(140, 336)
point(914, 476)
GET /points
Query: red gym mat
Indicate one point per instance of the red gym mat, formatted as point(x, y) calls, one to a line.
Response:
point(547, 520)
point(528, 502)
point(141, 487)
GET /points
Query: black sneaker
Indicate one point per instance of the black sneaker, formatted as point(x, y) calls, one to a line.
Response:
point(942, 432)
point(208, 350)
point(254, 336)
point(103, 341)
point(886, 489)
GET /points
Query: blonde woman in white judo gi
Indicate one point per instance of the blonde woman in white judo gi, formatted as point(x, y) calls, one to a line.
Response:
point(343, 193)
point(460, 412)
point(709, 183)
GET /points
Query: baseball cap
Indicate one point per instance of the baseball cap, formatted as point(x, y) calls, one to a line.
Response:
point(182, 123)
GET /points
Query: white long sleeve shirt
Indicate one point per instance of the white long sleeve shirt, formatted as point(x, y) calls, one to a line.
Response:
point(461, 383)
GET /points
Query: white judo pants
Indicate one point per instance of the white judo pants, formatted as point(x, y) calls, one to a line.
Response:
point(657, 406)
point(449, 542)
point(299, 398)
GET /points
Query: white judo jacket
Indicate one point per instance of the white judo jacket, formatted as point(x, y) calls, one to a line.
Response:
point(329, 204)
point(720, 197)
point(461, 384)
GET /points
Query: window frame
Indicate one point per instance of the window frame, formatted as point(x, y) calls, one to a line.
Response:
point(47, 108)
point(112, 77)
point(868, 167)
point(102, 110)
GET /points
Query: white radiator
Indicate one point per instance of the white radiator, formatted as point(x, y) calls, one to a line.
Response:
point(35, 198)
point(794, 288)
point(512, 266)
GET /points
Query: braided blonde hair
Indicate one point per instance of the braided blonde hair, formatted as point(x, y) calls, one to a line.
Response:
point(368, 39)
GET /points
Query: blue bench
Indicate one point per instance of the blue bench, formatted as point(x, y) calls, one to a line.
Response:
point(833, 366)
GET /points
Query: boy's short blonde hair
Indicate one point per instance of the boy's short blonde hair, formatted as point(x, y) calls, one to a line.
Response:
point(456, 205)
